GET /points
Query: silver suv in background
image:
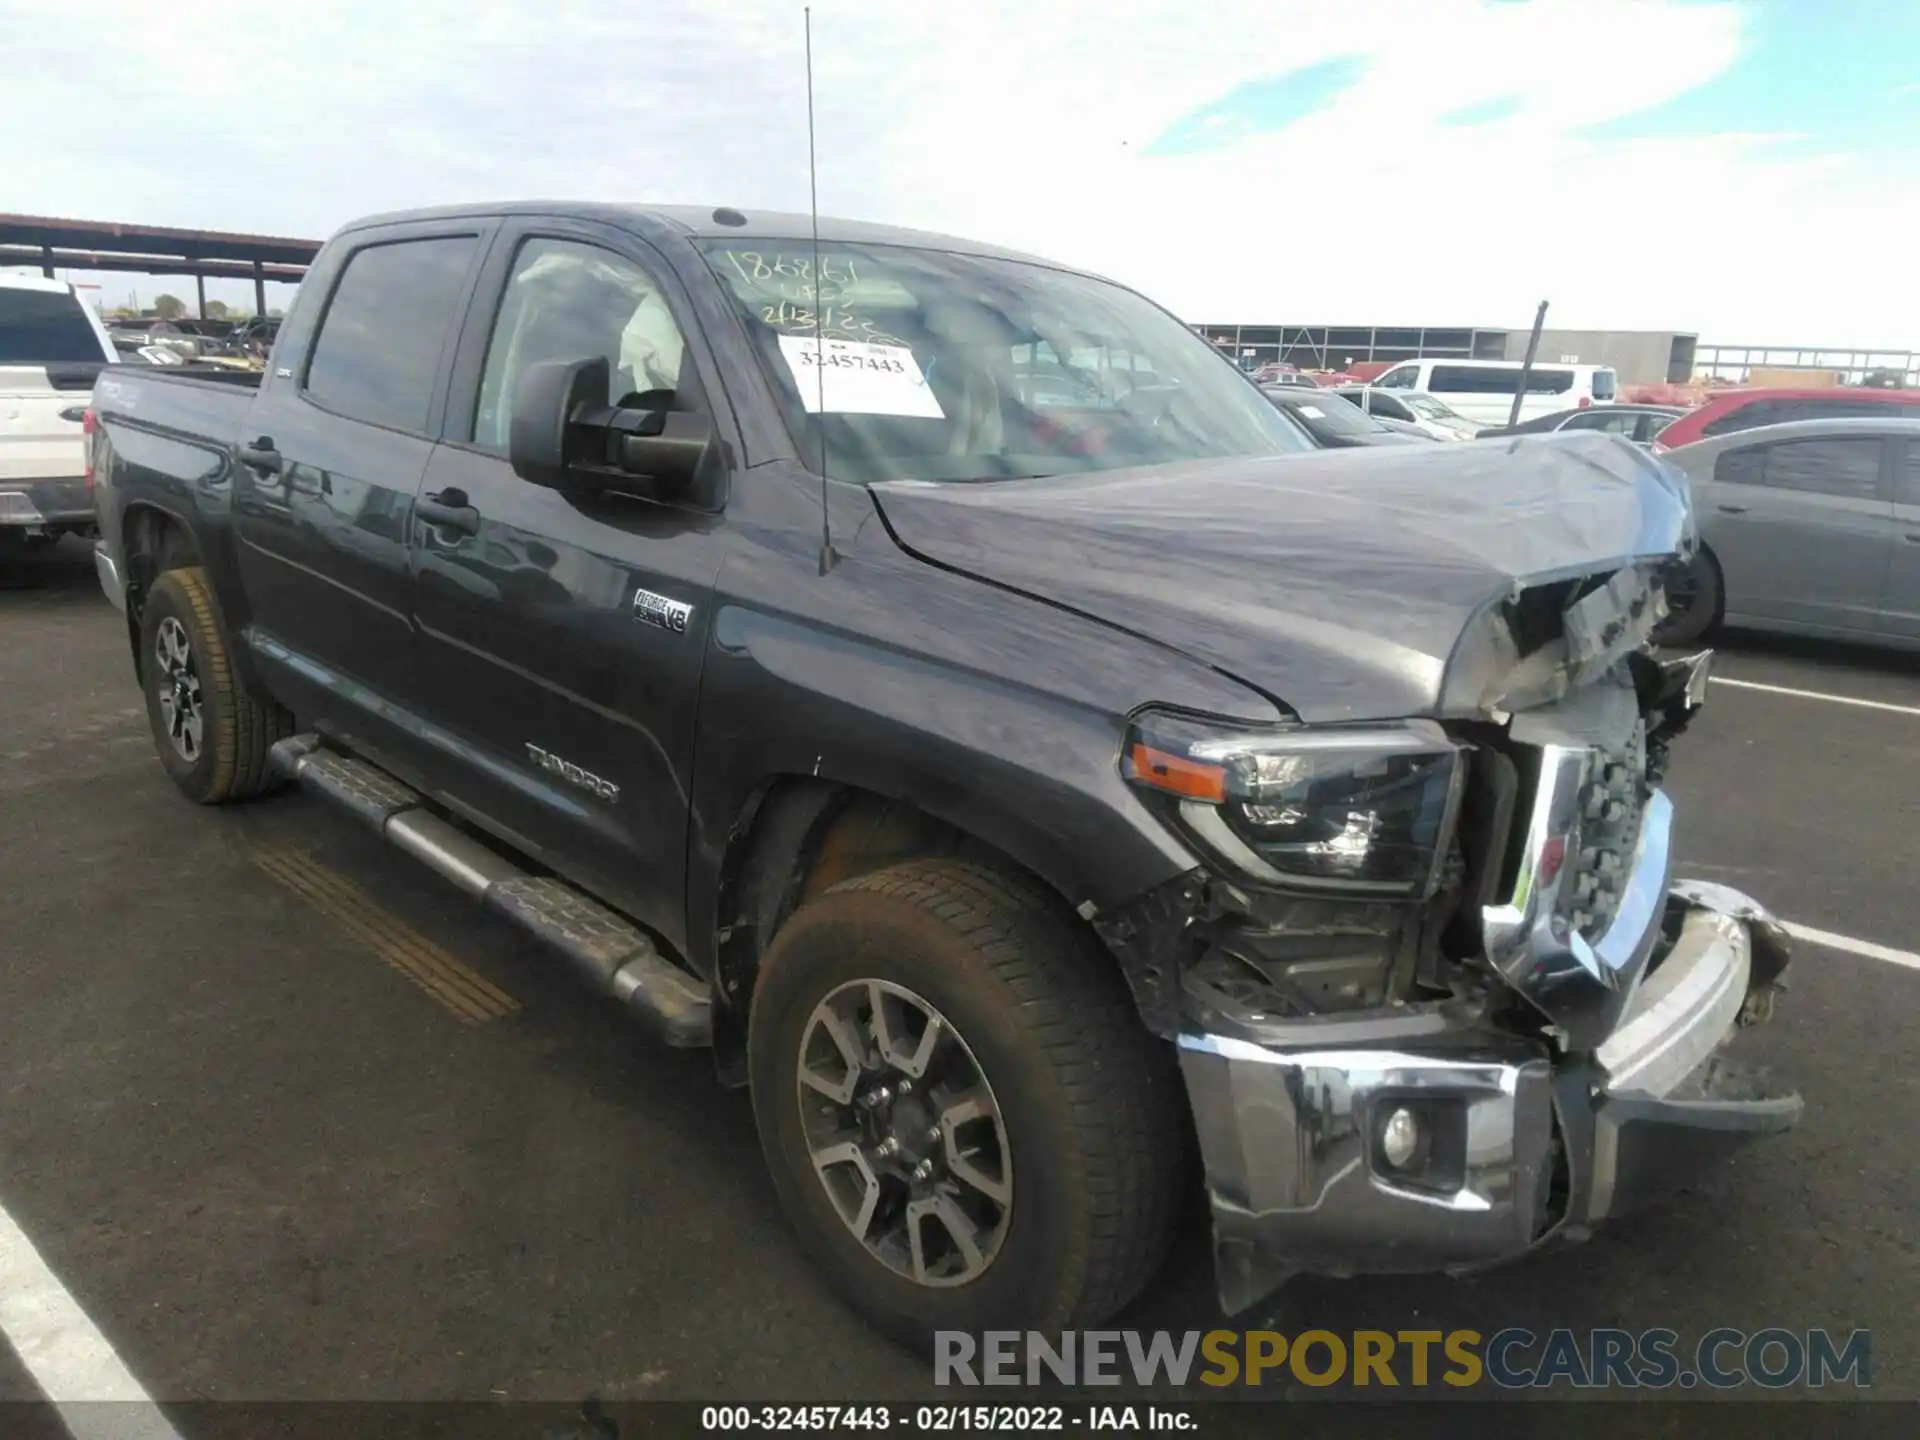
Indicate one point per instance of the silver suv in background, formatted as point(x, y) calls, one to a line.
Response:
point(51, 349)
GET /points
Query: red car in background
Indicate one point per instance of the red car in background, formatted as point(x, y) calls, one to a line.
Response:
point(1748, 409)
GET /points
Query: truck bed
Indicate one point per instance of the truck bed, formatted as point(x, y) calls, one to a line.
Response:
point(208, 405)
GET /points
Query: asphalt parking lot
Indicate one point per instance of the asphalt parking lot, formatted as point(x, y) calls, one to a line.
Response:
point(291, 1121)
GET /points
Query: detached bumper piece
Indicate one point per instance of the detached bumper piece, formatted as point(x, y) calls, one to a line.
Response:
point(615, 956)
point(1412, 1141)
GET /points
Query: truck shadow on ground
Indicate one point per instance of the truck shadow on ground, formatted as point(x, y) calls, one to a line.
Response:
point(58, 573)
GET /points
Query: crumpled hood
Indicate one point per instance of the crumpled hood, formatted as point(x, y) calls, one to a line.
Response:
point(1339, 582)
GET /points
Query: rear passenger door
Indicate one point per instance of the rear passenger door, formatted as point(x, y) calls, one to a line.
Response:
point(328, 465)
point(1803, 530)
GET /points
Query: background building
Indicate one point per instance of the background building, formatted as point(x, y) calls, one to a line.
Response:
point(1808, 365)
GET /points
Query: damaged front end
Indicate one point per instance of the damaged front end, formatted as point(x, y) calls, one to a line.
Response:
point(1438, 996)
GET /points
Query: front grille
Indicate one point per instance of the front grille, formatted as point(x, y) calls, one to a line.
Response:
point(1506, 784)
point(1600, 852)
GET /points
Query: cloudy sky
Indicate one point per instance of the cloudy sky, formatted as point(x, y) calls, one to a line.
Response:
point(1746, 169)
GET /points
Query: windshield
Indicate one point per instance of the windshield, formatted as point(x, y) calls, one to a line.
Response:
point(1428, 408)
point(941, 366)
point(1326, 414)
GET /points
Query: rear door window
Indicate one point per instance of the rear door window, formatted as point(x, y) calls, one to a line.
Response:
point(1847, 469)
point(40, 327)
point(1747, 417)
point(1839, 409)
point(377, 357)
point(1782, 412)
point(1742, 467)
point(1909, 475)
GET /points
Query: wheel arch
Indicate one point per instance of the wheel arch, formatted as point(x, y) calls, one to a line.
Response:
point(154, 540)
point(1712, 557)
point(797, 835)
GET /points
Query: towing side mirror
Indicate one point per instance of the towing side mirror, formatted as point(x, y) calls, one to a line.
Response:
point(565, 436)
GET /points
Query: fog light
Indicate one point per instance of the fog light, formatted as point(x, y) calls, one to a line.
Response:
point(1400, 1138)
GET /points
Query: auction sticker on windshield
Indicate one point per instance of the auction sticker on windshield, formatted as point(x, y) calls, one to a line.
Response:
point(859, 379)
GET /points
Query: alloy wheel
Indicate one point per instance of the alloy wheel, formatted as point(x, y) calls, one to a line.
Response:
point(904, 1132)
point(178, 688)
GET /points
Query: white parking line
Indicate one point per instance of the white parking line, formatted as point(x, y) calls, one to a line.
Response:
point(69, 1359)
point(1853, 947)
point(1817, 695)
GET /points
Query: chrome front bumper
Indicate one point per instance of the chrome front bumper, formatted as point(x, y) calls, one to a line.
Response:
point(1523, 1145)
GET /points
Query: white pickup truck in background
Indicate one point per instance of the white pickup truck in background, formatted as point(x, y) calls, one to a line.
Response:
point(51, 349)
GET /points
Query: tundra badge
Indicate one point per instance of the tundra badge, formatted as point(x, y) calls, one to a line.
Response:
point(659, 610)
point(573, 774)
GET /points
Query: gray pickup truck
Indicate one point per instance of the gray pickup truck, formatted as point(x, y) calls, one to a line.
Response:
point(937, 681)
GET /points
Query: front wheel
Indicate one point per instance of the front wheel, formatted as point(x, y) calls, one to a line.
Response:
point(963, 1116)
point(1693, 601)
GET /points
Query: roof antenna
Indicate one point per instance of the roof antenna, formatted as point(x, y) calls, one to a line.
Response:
point(827, 555)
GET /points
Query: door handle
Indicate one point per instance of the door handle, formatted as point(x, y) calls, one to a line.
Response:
point(261, 456)
point(449, 510)
point(1731, 509)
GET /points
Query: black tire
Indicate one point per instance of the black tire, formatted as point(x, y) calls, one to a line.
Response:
point(228, 759)
point(1696, 601)
point(1092, 1103)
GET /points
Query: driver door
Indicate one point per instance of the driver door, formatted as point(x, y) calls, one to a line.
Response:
point(564, 632)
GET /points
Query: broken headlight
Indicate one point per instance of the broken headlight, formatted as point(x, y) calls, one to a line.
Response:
point(1368, 809)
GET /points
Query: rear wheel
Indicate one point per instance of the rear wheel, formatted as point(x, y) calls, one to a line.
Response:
point(212, 734)
point(963, 1116)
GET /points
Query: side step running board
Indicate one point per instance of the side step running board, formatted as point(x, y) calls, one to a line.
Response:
point(616, 956)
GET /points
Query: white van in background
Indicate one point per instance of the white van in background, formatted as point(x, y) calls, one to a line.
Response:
point(51, 348)
point(1482, 390)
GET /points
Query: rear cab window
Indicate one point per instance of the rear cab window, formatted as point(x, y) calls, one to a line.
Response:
point(46, 327)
